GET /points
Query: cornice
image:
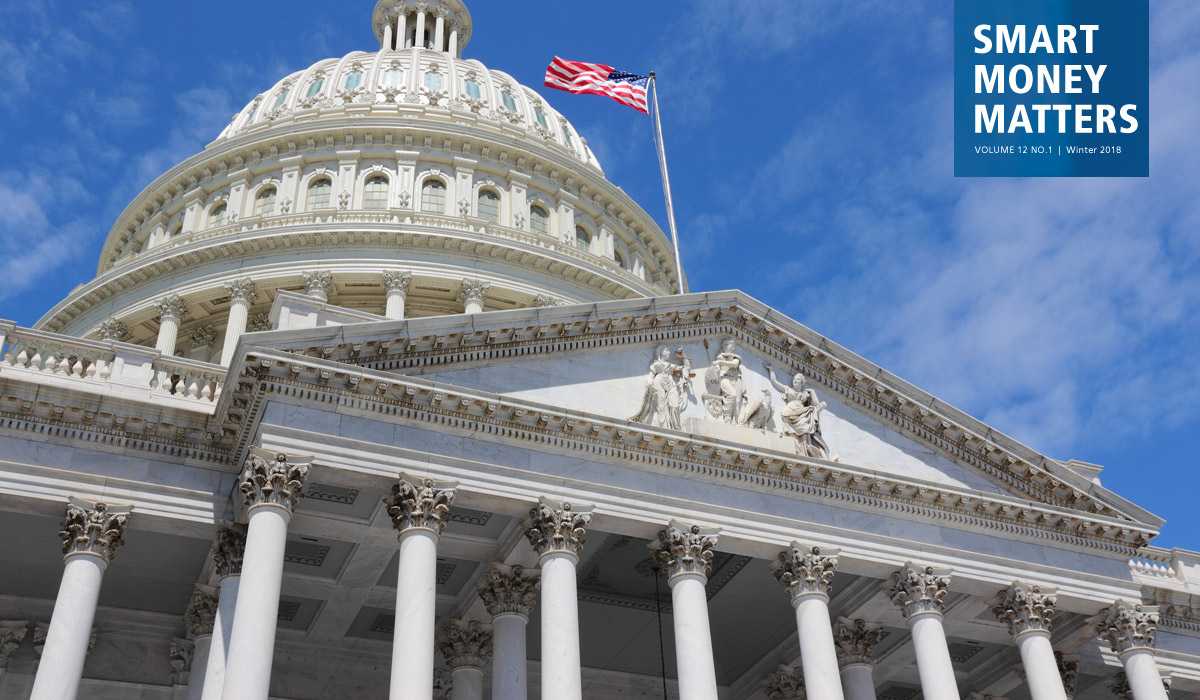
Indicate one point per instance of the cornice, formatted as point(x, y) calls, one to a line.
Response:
point(271, 373)
point(321, 233)
point(405, 346)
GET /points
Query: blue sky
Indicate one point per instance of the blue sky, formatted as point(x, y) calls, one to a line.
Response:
point(810, 148)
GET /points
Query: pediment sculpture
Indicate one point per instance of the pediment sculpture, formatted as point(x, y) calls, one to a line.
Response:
point(668, 383)
point(801, 415)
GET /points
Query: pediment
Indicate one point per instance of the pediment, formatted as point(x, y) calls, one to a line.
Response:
point(608, 360)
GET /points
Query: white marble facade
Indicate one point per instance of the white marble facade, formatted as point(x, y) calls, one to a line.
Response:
point(413, 454)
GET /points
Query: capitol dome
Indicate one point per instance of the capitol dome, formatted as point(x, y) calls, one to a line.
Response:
point(406, 181)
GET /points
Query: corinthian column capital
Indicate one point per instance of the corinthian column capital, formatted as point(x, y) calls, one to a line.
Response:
point(1025, 608)
point(173, 306)
point(201, 613)
point(856, 640)
point(318, 283)
point(1127, 626)
point(420, 503)
point(785, 683)
point(93, 529)
point(685, 549)
point(506, 589)
point(920, 589)
point(474, 291)
point(803, 570)
point(397, 281)
point(557, 527)
point(112, 329)
point(11, 634)
point(228, 548)
point(273, 479)
point(244, 290)
point(466, 643)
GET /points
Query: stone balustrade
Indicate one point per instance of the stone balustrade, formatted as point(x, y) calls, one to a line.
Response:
point(107, 367)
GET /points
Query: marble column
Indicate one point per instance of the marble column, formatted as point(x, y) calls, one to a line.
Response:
point(419, 37)
point(556, 532)
point(509, 595)
point(242, 294)
point(920, 592)
point(388, 42)
point(419, 509)
point(856, 640)
point(91, 534)
point(784, 683)
point(439, 29)
point(685, 552)
point(466, 646)
point(401, 28)
point(227, 550)
point(198, 623)
point(806, 573)
point(317, 284)
point(1028, 611)
point(472, 295)
point(271, 484)
point(1129, 629)
point(171, 310)
point(396, 284)
point(453, 47)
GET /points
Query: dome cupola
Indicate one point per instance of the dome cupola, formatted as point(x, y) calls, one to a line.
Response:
point(437, 25)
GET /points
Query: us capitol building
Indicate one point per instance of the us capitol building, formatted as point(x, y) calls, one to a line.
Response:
point(388, 393)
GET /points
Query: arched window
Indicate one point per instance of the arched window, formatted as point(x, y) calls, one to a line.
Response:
point(264, 204)
point(619, 258)
point(319, 192)
point(216, 217)
point(489, 206)
point(583, 239)
point(375, 196)
point(539, 220)
point(433, 196)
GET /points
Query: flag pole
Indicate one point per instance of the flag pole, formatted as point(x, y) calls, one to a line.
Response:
point(681, 287)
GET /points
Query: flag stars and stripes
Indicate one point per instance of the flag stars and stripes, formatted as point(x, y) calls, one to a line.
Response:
point(598, 79)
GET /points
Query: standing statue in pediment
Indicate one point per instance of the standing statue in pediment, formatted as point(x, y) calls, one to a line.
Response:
point(725, 392)
point(802, 415)
point(667, 386)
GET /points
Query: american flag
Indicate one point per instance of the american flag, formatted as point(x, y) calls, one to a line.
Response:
point(598, 79)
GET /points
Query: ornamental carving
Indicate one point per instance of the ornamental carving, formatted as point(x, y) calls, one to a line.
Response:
point(259, 322)
point(112, 329)
point(95, 529)
point(785, 683)
point(1127, 626)
point(404, 197)
point(464, 205)
point(920, 589)
point(397, 281)
point(466, 643)
point(801, 416)
point(344, 200)
point(683, 549)
point(475, 291)
point(668, 387)
point(181, 661)
point(420, 504)
point(545, 300)
point(243, 290)
point(805, 571)
point(228, 549)
point(11, 634)
point(318, 284)
point(507, 589)
point(555, 528)
point(1118, 685)
point(271, 479)
point(856, 640)
point(201, 613)
point(1025, 608)
point(1068, 669)
point(172, 307)
point(204, 337)
point(724, 391)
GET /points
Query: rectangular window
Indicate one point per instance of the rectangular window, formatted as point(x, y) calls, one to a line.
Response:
point(353, 80)
point(541, 117)
point(433, 81)
point(473, 89)
point(509, 103)
point(280, 99)
point(315, 88)
point(394, 78)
